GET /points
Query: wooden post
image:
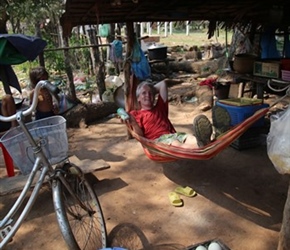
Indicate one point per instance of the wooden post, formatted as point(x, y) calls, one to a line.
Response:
point(187, 28)
point(284, 237)
point(127, 66)
point(165, 29)
point(68, 70)
point(150, 30)
point(158, 28)
point(147, 28)
point(141, 29)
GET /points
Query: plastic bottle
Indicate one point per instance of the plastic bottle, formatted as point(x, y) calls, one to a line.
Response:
point(122, 113)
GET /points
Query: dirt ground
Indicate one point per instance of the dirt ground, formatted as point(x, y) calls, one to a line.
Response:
point(240, 196)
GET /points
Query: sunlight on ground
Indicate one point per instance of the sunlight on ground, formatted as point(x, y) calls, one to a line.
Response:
point(198, 38)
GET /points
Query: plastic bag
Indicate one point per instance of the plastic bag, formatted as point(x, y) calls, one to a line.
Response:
point(136, 54)
point(65, 103)
point(142, 68)
point(278, 141)
point(104, 30)
point(139, 65)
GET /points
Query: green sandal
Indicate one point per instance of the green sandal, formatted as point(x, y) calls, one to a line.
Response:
point(186, 191)
point(175, 199)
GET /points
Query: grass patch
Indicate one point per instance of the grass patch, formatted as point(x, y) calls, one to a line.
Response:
point(197, 37)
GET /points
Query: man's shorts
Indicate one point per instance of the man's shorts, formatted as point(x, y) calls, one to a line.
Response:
point(169, 138)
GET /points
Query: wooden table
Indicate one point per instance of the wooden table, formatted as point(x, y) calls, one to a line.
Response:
point(259, 83)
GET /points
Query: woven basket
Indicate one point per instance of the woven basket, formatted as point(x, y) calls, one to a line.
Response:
point(244, 63)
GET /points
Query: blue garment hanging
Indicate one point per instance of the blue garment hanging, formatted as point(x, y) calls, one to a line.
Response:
point(269, 44)
point(286, 46)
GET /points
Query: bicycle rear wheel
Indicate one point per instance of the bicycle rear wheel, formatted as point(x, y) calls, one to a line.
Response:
point(81, 222)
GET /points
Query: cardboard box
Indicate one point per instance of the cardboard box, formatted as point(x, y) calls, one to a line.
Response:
point(267, 69)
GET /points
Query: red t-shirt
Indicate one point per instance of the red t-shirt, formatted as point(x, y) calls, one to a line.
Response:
point(154, 122)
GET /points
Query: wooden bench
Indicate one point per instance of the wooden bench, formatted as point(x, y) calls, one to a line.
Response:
point(9, 185)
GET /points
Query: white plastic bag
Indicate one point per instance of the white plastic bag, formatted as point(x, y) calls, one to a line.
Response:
point(278, 141)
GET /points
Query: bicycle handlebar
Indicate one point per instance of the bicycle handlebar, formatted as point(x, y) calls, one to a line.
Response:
point(41, 84)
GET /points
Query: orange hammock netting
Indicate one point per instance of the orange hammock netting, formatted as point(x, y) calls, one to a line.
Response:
point(161, 152)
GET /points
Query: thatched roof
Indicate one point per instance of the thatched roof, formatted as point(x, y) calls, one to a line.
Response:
point(229, 13)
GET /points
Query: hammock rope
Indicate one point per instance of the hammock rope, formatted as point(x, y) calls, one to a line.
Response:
point(161, 152)
point(165, 153)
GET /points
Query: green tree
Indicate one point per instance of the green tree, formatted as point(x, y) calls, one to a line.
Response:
point(39, 18)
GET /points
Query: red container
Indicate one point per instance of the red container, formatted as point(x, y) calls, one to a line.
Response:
point(285, 64)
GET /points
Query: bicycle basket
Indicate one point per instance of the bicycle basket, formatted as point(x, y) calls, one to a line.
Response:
point(49, 132)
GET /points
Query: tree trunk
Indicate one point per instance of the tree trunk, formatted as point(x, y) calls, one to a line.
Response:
point(284, 237)
point(84, 114)
point(68, 70)
point(3, 20)
point(94, 52)
point(98, 64)
point(38, 34)
point(101, 79)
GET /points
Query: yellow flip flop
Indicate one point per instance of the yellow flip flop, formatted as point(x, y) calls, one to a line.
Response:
point(175, 199)
point(186, 191)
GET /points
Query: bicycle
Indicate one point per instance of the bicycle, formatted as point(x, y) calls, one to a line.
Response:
point(44, 145)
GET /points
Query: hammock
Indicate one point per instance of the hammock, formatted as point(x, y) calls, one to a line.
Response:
point(161, 152)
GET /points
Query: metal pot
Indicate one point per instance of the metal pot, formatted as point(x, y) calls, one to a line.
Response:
point(157, 52)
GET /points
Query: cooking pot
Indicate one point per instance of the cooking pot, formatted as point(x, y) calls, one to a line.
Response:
point(157, 52)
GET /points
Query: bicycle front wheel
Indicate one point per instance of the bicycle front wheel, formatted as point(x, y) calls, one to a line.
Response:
point(79, 214)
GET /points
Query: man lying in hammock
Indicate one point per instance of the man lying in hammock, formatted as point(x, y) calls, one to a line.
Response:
point(151, 120)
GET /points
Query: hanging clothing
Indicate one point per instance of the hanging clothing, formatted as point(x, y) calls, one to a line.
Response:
point(269, 44)
point(116, 51)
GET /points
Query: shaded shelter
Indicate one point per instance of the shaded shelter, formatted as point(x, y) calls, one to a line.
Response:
point(219, 12)
point(248, 15)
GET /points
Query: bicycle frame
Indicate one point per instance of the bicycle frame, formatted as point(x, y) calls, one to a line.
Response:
point(41, 164)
